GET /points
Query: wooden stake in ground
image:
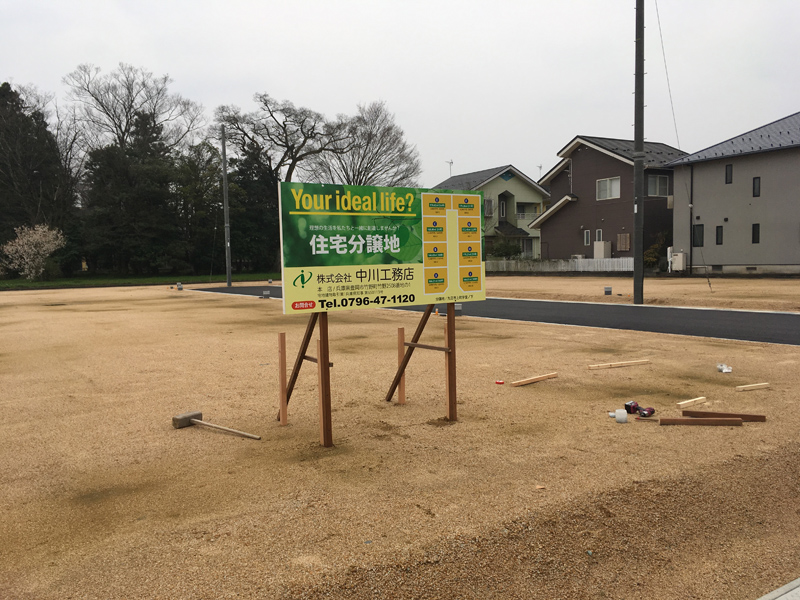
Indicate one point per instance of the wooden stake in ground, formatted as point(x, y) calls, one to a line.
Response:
point(283, 402)
point(533, 379)
point(691, 402)
point(627, 363)
point(752, 386)
point(682, 421)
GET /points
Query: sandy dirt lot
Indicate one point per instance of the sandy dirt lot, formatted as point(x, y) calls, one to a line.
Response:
point(533, 493)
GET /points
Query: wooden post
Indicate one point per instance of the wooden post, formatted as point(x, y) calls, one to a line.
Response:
point(450, 342)
point(323, 358)
point(401, 351)
point(282, 397)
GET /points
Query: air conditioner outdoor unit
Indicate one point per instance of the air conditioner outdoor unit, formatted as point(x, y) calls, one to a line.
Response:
point(679, 261)
point(578, 256)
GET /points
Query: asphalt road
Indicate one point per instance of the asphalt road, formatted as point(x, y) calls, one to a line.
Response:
point(770, 327)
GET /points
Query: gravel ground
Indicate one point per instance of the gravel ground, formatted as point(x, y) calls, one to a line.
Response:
point(533, 493)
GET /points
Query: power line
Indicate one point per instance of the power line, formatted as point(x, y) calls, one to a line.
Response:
point(666, 71)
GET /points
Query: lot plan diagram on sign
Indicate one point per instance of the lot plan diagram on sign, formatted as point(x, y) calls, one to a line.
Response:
point(346, 247)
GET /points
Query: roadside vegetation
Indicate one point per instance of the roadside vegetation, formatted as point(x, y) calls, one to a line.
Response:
point(110, 281)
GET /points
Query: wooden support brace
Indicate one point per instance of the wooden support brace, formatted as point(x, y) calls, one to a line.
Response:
point(691, 402)
point(427, 347)
point(703, 414)
point(533, 379)
point(752, 386)
point(313, 359)
point(627, 363)
point(689, 421)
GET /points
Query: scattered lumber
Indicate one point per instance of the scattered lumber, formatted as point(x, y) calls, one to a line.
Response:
point(627, 363)
point(691, 402)
point(690, 421)
point(752, 386)
point(533, 379)
point(704, 414)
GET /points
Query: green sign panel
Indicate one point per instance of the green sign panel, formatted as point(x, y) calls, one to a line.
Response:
point(346, 247)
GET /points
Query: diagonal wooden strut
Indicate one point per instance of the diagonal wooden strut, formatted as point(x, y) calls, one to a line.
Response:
point(301, 353)
point(409, 351)
point(301, 356)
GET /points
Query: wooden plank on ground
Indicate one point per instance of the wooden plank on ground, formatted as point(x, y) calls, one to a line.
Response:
point(533, 379)
point(705, 414)
point(691, 402)
point(752, 386)
point(689, 421)
point(627, 363)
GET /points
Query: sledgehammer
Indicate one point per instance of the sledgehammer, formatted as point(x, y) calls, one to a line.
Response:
point(196, 418)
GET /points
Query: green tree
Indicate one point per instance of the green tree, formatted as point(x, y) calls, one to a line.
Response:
point(255, 236)
point(199, 208)
point(131, 223)
point(35, 187)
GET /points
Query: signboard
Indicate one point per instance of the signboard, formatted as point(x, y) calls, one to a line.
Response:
point(347, 247)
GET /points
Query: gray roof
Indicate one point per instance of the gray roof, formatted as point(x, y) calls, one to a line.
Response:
point(508, 230)
point(472, 181)
point(656, 154)
point(779, 135)
point(469, 181)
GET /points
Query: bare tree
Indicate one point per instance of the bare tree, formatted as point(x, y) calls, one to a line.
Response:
point(285, 135)
point(378, 154)
point(108, 104)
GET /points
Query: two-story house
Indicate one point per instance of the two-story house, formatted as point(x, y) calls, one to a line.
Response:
point(591, 214)
point(737, 203)
point(512, 200)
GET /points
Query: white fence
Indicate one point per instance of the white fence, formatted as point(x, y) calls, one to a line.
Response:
point(572, 265)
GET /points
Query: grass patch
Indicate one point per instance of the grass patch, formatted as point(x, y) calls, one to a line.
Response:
point(109, 281)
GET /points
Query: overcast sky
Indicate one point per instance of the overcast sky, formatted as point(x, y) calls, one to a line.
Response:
point(482, 83)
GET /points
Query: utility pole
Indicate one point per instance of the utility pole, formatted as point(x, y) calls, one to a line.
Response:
point(226, 210)
point(638, 161)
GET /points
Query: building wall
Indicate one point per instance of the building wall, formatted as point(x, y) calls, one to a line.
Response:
point(733, 207)
point(562, 234)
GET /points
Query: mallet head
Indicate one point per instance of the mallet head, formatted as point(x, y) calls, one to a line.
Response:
point(185, 420)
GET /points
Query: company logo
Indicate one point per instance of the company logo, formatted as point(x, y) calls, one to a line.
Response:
point(302, 278)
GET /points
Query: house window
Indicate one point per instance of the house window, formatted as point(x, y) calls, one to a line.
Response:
point(657, 185)
point(623, 242)
point(756, 233)
point(756, 187)
point(502, 209)
point(488, 207)
point(728, 173)
point(697, 236)
point(598, 235)
point(608, 188)
point(587, 237)
point(719, 235)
